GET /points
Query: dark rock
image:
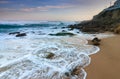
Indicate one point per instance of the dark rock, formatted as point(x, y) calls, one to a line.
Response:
point(63, 27)
point(62, 34)
point(12, 33)
point(64, 31)
point(75, 71)
point(117, 30)
point(71, 27)
point(21, 34)
point(50, 55)
point(96, 41)
point(67, 74)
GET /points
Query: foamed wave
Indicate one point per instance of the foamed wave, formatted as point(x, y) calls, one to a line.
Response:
point(35, 65)
point(26, 57)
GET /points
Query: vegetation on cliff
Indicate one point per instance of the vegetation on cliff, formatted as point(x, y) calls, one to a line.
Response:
point(107, 20)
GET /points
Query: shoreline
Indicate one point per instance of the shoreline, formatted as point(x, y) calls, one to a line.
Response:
point(105, 64)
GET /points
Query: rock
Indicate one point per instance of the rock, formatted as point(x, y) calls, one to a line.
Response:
point(63, 27)
point(64, 31)
point(12, 33)
point(67, 74)
point(50, 55)
point(62, 34)
point(21, 34)
point(96, 41)
point(76, 71)
point(117, 30)
point(71, 27)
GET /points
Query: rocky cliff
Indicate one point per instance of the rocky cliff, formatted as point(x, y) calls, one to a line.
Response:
point(107, 20)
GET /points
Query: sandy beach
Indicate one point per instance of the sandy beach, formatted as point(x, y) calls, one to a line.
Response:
point(106, 63)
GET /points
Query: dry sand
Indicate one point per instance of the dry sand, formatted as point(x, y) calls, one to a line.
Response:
point(106, 63)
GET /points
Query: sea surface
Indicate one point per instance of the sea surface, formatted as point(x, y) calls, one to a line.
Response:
point(26, 57)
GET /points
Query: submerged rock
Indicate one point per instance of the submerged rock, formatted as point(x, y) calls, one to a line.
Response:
point(63, 27)
point(76, 71)
point(21, 34)
point(64, 31)
point(62, 34)
point(50, 55)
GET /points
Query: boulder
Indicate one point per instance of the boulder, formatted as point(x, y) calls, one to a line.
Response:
point(50, 55)
point(117, 30)
point(76, 71)
point(96, 41)
point(21, 34)
point(62, 34)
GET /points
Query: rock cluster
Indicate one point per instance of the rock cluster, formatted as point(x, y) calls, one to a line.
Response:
point(18, 34)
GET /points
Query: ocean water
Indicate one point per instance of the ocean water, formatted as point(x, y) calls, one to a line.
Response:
point(25, 57)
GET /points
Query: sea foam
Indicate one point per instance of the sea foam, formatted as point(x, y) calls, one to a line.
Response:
point(35, 65)
point(26, 57)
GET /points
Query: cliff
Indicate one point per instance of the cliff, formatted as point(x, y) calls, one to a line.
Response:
point(107, 20)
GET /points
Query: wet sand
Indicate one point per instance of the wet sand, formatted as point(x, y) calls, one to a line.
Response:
point(106, 63)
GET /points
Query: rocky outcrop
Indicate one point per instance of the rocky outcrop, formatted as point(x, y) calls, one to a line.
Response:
point(21, 34)
point(107, 20)
point(117, 30)
point(62, 34)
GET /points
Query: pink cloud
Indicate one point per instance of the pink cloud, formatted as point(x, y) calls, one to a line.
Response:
point(7, 9)
point(45, 8)
point(4, 2)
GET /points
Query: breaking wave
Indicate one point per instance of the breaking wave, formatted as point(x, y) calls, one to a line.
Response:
point(33, 57)
point(34, 65)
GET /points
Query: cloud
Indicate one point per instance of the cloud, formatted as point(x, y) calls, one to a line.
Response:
point(4, 2)
point(7, 9)
point(46, 8)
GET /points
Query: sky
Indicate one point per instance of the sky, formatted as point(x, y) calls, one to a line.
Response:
point(53, 10)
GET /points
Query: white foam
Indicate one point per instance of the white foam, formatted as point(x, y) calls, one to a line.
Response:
point(30, 61)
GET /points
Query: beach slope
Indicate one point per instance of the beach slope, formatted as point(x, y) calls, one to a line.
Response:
point(106, 63)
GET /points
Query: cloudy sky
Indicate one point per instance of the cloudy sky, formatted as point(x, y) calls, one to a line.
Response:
point(68, 10)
